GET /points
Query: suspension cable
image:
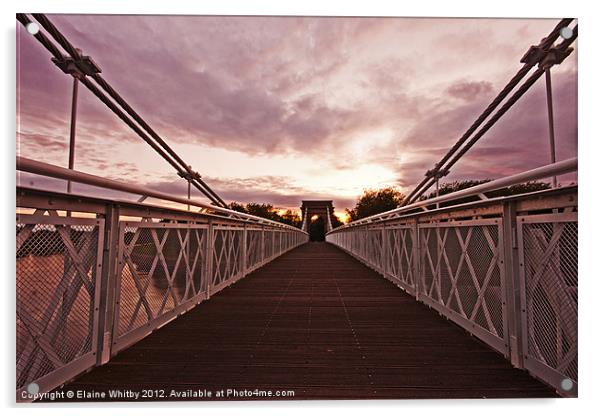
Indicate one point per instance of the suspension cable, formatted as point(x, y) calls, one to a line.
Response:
point(533, 56)
point(162, 148)
point(75, 54)
point(41, 37)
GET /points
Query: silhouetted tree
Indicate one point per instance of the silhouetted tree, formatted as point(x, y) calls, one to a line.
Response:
point(375, 201)
point(449, 187)
point(291, 217)
point(238, 207)
point(336, 222)
point(263, 211)
point(268, 211)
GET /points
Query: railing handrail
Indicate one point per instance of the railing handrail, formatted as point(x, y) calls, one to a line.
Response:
point(480, 265)
point(552, 169)
point(46, 169)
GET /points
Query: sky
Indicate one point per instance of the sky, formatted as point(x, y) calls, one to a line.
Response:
point(280, 109)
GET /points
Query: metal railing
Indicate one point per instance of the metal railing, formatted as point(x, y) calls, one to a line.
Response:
point(504, 269)
point(96, 275)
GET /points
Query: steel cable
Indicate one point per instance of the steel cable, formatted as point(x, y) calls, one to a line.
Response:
point(183, 169)
point(429, 180)
point(507, 105)
point(41, 37)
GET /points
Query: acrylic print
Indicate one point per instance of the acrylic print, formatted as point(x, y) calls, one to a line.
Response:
point(288, 208)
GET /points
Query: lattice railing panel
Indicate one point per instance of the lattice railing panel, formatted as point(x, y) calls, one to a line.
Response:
point(81, 299)
point(253, 247)
point(162, 265)
point(56, 284)
point(227, 254)
point(549, 268)
point(462, 271)
point(268, 242)
point(374, 248)
point(360, 242)
point(399, 255)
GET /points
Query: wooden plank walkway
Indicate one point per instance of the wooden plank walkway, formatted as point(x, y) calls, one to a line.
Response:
point(319, 323)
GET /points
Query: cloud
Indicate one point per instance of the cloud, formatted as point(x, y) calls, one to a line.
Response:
point(518, 142)
point(467, 90)
point(336, 95)
point(279, 191)
point(42, 143)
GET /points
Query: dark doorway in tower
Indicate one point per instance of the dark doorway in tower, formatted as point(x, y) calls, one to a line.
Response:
point(318, 217)
point(317, 229)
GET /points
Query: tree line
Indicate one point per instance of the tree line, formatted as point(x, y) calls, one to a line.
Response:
point(376, 201)
point(269, 212)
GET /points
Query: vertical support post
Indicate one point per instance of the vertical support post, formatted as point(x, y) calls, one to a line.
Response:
point(108, 275)
point(416, 258)
point(188, 177)
point(189, 194)
point(262, 244)
point(365, 242)
point(72, 129)
point(512, 275)
point(437, 188)
point(209, 257)
point(385, 252)
point(188, 238)
point(244, 250)
point(551, 122)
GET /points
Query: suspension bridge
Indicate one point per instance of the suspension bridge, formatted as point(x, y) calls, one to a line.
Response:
point(464, 295)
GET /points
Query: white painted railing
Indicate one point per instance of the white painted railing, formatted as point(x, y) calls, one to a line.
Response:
point(505, 269)
point(95, 276)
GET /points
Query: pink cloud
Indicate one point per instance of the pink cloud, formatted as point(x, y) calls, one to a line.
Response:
point(468, 90)
point(300, 86)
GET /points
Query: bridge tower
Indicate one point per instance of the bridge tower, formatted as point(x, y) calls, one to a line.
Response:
point(323, 209)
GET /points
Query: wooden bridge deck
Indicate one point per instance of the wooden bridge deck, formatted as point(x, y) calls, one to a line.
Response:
point(318, 322)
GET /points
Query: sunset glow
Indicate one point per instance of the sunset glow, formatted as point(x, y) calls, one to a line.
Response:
point(277, 110)
point(342, 216)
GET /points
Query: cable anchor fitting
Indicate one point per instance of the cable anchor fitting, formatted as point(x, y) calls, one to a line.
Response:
point(436, 172)
point(78, 68)
point(555, 56)
point(189, 176)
